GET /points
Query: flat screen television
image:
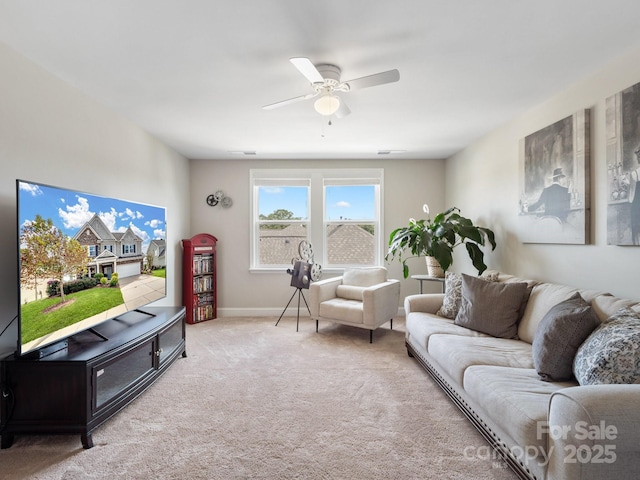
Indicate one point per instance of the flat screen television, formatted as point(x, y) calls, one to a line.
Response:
point(83, 259)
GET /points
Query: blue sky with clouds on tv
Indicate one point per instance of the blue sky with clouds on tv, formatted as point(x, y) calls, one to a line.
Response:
point(70, 210)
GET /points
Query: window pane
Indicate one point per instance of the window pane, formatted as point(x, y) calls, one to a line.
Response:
point(350, 202)
point(283, 203)
point(283, 212)
point(351, 244)
point(278, 242)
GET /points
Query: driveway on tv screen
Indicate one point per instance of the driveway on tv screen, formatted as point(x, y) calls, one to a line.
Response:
point(142, 289)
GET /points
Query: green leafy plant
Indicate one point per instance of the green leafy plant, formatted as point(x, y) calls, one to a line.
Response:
point(438, 237)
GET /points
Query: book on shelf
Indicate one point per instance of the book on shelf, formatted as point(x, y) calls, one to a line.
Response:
point(203, 283)
point(204, 312)
point(202, 264)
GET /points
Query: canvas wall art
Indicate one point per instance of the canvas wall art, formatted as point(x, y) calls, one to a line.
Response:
point(554, 205)
point(623, 166)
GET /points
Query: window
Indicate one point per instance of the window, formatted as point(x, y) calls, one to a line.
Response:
point(350, 223)
point(337, 211)
point(126, 249)
point(282, 220)
point(108, 247)
point(93, 250)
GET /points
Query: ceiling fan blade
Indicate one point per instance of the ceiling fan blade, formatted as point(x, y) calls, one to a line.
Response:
point(343, 110)
point(289, 101)
point(381, 78)
point(307, 69)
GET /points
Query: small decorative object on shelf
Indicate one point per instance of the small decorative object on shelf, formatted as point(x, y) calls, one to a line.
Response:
point(199, 286)
point(219, 198)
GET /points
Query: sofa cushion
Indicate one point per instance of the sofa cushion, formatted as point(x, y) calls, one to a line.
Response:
point(560, 333)
point(491, 307)
point(611, 354)
point(349, 311)
point(606, 305)
point(350, 292)
point(514, 399)
point(364, 276)
point(421, 326)
point(542, 298)
point(456, 353)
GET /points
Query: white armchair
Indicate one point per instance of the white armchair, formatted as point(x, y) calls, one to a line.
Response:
point(361, 297)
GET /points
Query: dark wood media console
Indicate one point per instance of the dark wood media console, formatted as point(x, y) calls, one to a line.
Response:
point(77, 389)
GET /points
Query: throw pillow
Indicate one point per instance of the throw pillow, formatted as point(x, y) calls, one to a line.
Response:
point(611, 354)
point(350, 292)
point(559, 335)
point(452, 295)
point(491, 307)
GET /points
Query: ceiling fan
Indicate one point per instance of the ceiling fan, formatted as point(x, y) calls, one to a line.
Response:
point(325, 81)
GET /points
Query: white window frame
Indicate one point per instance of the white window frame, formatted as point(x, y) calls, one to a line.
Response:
point(376, 222)
point(316, 179)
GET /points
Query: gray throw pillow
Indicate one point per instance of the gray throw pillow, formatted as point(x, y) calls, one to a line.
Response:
point(491, 307)
point(611, 354)
point(453, 293)
point(559, 335)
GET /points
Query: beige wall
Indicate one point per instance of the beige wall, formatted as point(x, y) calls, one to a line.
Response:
point(407, 185)
point(483, 180)
point(51, 133)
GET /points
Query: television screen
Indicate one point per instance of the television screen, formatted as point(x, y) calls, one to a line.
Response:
point(83, 259)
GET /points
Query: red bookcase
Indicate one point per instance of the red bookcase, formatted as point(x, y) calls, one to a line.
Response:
point(200, 284)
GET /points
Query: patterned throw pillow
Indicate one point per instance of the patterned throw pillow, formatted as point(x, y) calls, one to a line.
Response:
point(452, 295)
point(611, 354)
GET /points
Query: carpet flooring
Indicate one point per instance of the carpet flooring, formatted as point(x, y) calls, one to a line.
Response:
point(253, 400)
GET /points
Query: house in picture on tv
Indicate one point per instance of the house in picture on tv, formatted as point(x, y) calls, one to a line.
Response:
point(156, 254)
point(110, 252)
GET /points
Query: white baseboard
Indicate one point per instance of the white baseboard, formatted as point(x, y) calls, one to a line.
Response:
point(260, 312)
point(271, 312)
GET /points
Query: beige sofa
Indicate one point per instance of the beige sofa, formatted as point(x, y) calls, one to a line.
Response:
point(542, 429)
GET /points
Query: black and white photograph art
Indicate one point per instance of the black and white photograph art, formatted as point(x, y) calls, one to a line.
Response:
point(623, 167)
point(554, 188)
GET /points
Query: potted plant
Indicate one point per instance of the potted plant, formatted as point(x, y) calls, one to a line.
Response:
point(438, 237)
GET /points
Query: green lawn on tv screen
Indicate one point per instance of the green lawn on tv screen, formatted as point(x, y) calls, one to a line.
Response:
point(161, 272)
point(39, 318)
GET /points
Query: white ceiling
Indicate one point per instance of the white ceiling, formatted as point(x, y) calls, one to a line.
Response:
point(195, 73)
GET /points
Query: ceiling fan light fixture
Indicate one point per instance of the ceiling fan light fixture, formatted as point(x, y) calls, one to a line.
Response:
point(327, 104)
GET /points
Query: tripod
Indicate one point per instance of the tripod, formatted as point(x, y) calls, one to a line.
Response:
point(300, 294)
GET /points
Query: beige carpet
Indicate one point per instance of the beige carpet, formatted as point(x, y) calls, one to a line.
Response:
point(253, 400)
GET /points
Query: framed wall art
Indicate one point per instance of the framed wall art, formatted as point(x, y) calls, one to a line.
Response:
point(623, 166)
point(554, 205)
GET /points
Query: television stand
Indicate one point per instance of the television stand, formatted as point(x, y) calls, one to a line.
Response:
point(74, 390)
point(97, 334)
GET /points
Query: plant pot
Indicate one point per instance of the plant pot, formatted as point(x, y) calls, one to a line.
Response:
point(433, 267)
